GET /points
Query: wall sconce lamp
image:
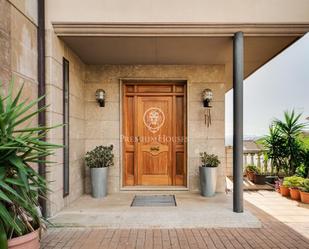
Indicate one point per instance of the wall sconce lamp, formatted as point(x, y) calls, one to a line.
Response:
point(207, 97)
point(100, 97)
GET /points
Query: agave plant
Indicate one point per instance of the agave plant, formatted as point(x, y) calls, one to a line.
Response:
point(21, 147)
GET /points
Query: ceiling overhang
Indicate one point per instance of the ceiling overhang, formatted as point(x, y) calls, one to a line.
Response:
point(177, 43)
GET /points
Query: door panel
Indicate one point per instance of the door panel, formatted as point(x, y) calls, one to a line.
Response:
point(154, 121)
point(154, 134)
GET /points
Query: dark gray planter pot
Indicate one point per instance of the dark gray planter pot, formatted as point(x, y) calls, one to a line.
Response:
point(208, 181)
point(99, 182)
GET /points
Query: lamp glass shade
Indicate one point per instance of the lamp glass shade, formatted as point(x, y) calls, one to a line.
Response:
point(207, 95)
point(100, 94)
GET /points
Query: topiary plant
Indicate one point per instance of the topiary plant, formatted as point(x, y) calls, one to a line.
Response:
point(100, 157)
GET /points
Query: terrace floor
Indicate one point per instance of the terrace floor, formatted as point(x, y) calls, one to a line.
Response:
point(272, 234)
point(192, 211)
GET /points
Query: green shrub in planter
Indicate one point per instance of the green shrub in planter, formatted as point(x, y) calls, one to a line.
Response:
point(100, 157)
point(209, 160)
point(305, 186)
point(293, 181)
point(208, 173)
point(251, 168)
point(304, 191)
point(250, 171)
point(98, 160)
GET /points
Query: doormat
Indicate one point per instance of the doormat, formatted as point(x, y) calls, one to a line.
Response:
point(154, 201)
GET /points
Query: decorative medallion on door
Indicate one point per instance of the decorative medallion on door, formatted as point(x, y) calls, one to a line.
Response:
point(154, 134)
point(154, 119)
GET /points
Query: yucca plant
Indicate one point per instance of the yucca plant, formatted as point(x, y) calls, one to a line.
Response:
point(275, 147)
point(21, 147)
point(291, 129)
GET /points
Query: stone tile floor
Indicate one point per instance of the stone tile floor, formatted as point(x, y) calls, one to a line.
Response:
point(273, 233)
point(192, 211)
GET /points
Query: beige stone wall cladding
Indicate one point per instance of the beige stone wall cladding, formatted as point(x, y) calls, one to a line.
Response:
point(5, 49)
point(103, 124)
point(18, 50)
point(18, 45)
point(56, 50)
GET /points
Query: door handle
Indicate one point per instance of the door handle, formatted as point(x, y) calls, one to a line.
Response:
point(156, 148)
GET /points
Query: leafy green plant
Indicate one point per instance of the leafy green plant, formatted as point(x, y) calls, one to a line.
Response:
point(21, 147)
point(274, 144)
point(251, 168)
point(260, 171)
point(303, 169)
point(305, 186)
point(209, 160)
point(100, 157)
point(285, 146)
point(293, 181)
point(291, 129)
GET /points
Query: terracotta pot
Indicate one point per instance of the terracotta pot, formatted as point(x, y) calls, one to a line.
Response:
point(295, 194)
point(285, 191)
point(28, 241)
point(250, 175)
point(304, 196)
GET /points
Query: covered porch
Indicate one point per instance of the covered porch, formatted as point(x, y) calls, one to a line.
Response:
point(212, 56)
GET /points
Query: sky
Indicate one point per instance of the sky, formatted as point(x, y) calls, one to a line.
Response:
point(281, 84)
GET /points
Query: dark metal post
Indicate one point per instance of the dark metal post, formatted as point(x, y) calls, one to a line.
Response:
point(238, 76)
point(41, 83)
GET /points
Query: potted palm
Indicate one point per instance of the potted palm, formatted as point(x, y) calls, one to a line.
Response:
point(304, 191)
point(20, 184)
point(208, 174)
point(98, 160)
point(294, 182)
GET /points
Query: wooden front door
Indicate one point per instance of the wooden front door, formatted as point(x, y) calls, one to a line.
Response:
point(154, 137)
